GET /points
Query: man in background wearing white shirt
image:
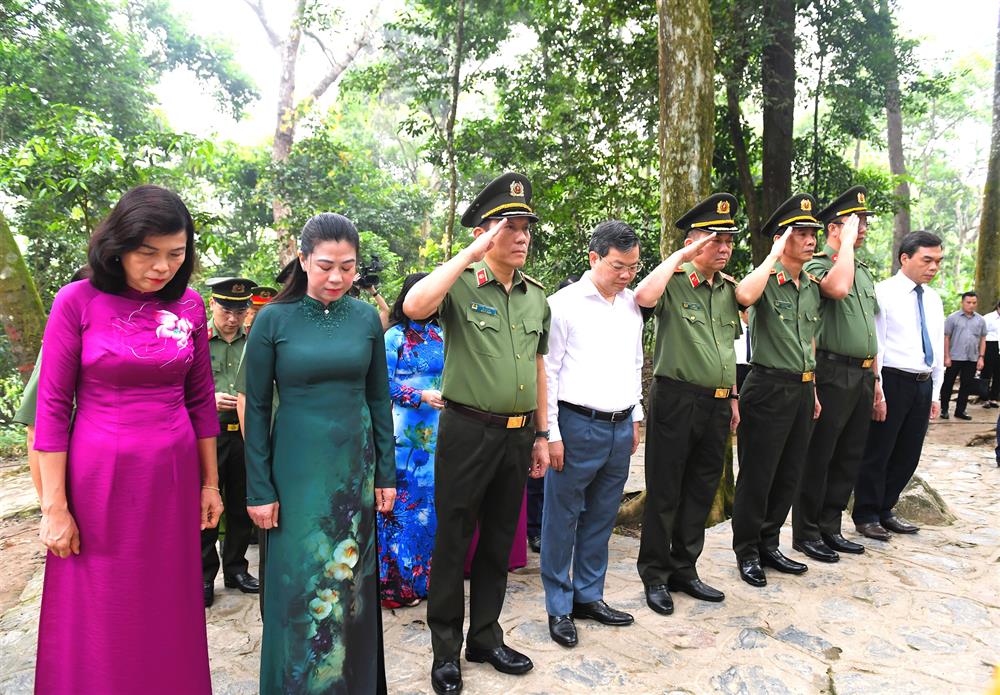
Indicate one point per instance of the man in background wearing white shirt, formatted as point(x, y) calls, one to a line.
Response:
point(594, 376)
point(910, 328)
point(991, 370)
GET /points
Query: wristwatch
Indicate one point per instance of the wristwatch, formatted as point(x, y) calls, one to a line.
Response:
point(541, 434)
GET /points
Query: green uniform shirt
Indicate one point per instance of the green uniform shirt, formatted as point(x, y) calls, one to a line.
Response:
point(226, 358)
point(493, 338)
point(25, 414)
point(697, 323)
point(847, 326)
point(784, 321)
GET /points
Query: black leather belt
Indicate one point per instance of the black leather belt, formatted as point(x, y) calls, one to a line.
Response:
point(844, 359)
point(616, 416)
point(801, 377)
point(912, 376)
point(511, 421)
point(722, 392)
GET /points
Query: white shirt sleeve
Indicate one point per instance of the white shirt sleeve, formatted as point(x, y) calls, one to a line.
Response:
point(553, 365)
point(937, 340)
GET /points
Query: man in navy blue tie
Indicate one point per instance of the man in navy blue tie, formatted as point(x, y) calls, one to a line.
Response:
point(910, 328)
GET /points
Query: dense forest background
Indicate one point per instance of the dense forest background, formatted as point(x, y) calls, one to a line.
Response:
point(613, 108)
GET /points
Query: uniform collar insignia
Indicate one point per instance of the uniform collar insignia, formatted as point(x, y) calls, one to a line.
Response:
point(693, 277)
point(782, 279)
point(482, 277)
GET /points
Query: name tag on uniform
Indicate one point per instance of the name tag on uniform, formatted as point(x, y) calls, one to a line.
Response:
point(693, 306)
point(483, 309)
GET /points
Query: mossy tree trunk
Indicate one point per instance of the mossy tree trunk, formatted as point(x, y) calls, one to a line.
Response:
point(988, 253)
point(21, 308)
point(686, 71)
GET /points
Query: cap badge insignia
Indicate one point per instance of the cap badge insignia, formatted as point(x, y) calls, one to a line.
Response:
point(723, 207)
point(238, 288)
point(861, 198)
point(517, 189)
point(806, 205)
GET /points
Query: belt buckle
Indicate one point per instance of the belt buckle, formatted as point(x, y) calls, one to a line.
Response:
point(807, 376)
point(866, 364)
point(515, 422)
point(721, 393)
point(232, 427)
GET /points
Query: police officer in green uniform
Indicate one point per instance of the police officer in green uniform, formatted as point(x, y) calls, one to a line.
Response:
point(259, 298)
point(25, 415)
point(778, 401)
point(229, 303)
point(494, 424)
point(692, 402)
point(846, 381)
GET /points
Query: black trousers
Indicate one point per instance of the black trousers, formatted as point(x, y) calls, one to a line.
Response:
point(773, 438)
point(536, 500)
point(991, 368)
point(479, 476)
point(893, 447)
point(966, 372)
point(233, 484)
point(837, 446)
point(686, 439)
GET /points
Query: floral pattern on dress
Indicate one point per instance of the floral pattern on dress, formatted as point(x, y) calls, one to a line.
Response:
point(415, 356)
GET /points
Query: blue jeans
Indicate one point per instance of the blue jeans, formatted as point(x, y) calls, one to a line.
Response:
point(581, 503)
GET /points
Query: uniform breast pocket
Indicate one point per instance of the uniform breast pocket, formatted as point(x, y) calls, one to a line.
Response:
point(785, 311)
point(483, 334)
point(868, 301)
point(527, 341)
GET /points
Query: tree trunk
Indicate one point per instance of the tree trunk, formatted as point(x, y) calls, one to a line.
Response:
point(456, 85)
point(686, 68)
point(21, 308)
point(894, 128)
point(778, 95)
point(988, 253)
point(734, 116)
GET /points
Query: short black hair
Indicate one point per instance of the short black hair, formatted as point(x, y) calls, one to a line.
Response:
point(612, 233)
point(917, 240)
point(970, 293)
point(143, 211)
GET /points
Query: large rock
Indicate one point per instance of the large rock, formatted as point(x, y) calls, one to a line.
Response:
point(922, 504)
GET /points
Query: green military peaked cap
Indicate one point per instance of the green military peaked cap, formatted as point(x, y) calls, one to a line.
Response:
point(231, 293)
point(797, 211)
point(508, 195)
point(853, 201)
point(713, 214)
point(262, 295)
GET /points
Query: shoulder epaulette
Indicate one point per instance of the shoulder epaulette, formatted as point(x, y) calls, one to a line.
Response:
point(819, 254)
point(469, 268)
point(728, 278)
point(773, 271)
point(678, 269)
point(533, 281)
point(813, 277)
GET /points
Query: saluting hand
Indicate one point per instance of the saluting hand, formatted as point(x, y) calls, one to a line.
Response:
point(849, 232)
point(778, 247)
point(484, 242)
point(689, 252)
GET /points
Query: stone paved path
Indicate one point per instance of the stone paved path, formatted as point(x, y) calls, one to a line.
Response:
point(918, 615)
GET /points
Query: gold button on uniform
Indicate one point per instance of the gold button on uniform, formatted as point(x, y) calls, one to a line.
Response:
point(482, 323)
point(521, 387)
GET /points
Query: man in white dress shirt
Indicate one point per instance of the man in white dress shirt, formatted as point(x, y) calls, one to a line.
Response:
point(910, 328)
point(991, 370)
point(594, 380)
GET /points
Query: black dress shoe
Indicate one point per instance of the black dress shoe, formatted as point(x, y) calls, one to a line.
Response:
point(243, 581)
point(209, 589)
point(896, 525)
point(602, 613)
point(446, 677)
point(841, 544)
point(658, 598)
point(776, 560)
point(873, 530)
point(944, 415)
point(562, 630)
point(751, 572)
point(963, 416)
point(817, 550)
point(502, 658)
point(696, 589)
point(535, 543)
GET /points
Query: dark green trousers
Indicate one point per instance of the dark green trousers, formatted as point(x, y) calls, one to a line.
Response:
point(835, 450)
point(479, 476)
point(233, 484)
point(686, 438)
point(773, 438)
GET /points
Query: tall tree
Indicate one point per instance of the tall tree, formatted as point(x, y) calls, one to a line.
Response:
point(314, 20)
point(778, 96)
point(894, 123)
point(21, 309)
point(449, 129)
point(988, 253)
point(686, 69)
